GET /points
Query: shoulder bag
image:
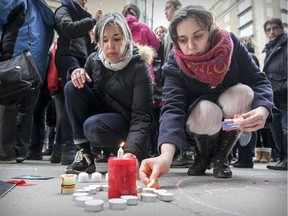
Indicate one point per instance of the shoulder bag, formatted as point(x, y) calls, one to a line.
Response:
point(19, 76)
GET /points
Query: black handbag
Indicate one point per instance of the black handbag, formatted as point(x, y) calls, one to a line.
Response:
point(19, 76)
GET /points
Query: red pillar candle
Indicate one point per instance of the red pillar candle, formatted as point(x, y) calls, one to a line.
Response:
point(122, 177)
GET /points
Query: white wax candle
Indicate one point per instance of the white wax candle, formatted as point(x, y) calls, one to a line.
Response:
point(83, 177)
point(120, 152)
point(96, 177)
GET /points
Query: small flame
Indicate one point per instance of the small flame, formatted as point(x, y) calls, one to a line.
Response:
point(122, 144)
point(151, 183)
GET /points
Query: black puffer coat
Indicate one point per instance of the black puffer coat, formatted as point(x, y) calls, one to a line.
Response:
point(131, 94)
point(73, 27)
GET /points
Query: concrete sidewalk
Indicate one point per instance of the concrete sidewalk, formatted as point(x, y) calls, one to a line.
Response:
point(250, 192)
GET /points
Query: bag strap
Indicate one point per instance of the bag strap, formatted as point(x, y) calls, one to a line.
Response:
point(28, 23)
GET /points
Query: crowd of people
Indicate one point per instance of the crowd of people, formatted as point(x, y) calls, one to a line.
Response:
point(164, 93)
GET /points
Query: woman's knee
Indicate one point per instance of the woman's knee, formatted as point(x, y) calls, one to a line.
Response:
point(69, 88)
point(93, 127)
point(238, 94)
point(205, 118)
point(236, 100)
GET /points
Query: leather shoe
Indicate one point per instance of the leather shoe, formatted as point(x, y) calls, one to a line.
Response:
point(183, 160)
point(279, 166)
point(243, 164)
point(34, 156)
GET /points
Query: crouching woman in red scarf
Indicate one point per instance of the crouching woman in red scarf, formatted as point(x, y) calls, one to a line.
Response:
point(209, 77)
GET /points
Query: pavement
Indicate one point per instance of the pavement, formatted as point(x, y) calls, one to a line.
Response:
point(250, 192)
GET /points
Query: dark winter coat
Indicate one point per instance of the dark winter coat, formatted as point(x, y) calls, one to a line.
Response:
point(275, 66)
point(73, 25)
point(181, 91)
point(129, 94)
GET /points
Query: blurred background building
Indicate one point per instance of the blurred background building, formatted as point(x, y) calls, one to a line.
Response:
point(242, 17)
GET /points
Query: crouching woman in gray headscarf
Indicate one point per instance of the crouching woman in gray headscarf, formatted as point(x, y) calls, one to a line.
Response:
point(109, 101)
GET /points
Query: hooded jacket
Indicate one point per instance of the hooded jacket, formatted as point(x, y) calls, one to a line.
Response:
point(73, 25)
point(131, 91)
point(181, 91)
point(141, 33)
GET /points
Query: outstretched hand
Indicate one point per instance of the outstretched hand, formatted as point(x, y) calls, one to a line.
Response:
point(153, 168)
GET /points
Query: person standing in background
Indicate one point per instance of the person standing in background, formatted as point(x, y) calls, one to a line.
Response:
point(73, 24)
point(24, 25)
point(141, 32)
point(246, 152)
point(275, 67)
point(170, 7)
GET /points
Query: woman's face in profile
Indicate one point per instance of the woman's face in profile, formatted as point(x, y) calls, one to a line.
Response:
point(114, 43)
point(169, 11)
point(192, 39)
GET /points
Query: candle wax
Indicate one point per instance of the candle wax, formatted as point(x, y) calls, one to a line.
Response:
point(122, 177)
point(120, 152)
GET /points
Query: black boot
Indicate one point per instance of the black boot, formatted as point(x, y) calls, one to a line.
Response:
point(68, 153)
point(226, 142)
point(204, 149)
point(56, 154)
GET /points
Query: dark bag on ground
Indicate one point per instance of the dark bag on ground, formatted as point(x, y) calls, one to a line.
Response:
point(18, 77)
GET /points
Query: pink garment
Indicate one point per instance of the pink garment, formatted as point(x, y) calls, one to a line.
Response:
point(143, 35)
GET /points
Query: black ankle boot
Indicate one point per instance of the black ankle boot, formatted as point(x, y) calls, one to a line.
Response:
point(204, 149)
point(227, 141)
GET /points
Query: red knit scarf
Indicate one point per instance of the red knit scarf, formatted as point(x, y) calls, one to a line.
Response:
point(212, 66)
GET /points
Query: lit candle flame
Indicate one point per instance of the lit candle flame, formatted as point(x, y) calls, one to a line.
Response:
point(122, 144)
point(151, 183)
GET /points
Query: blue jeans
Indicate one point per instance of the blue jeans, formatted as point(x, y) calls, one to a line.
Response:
point(279, 128)
point(92, 121)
